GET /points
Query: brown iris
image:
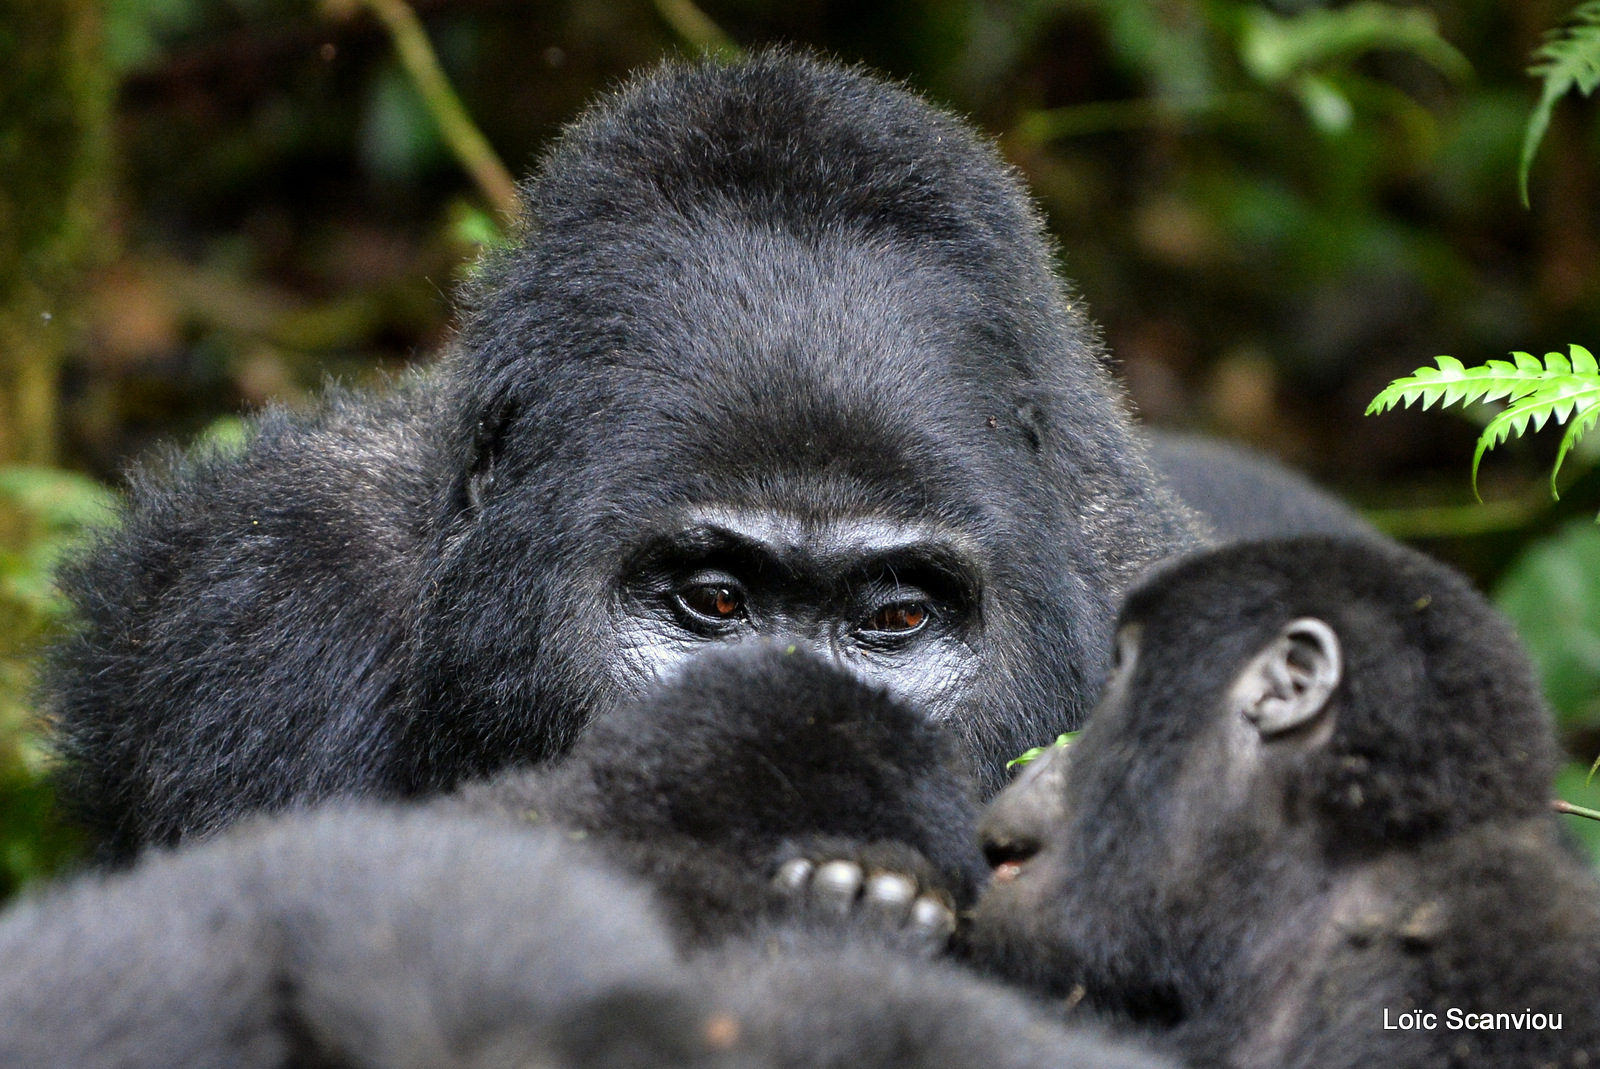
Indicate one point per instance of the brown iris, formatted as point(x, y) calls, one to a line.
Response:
point(907, 616)
point(717, 602)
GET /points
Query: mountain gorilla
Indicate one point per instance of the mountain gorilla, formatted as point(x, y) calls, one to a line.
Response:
point(1308, 825)
point(778, 350)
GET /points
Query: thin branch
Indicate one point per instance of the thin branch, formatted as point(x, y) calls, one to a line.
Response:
point(421, 63)
point(696, 27)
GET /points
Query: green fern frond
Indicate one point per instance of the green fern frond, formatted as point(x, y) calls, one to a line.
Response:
point(1450, 383)
point(1563, 388)
point(1569, 59)
point(1575, 430)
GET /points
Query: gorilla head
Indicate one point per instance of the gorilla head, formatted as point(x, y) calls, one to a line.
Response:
point(780, 353)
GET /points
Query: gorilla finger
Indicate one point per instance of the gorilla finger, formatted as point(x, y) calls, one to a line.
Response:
point(888, 898)
point(793, 876)
point(835, 886)
point(933, 920)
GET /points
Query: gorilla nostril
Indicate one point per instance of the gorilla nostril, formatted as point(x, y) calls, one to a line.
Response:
point(1007, 856)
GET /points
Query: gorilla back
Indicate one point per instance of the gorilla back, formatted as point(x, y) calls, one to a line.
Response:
point(779, 351)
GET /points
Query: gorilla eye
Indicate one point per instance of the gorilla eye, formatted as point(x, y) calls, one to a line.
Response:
point(899, 619)
point(713, 601)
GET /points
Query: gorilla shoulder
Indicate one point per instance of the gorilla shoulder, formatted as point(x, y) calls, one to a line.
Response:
point(352, 937)
point(247, 616)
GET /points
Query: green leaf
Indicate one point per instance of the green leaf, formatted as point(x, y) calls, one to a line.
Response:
point(1551, 591)
point(1569, 59)
point(1328, 109)
point(400, 139)
point(136, 31)
point(1034, 754)
point(1583, 362)
point(474, 226)
point(225, 436)
point(1575, 430)
point(62, 501)
point(1453, 382)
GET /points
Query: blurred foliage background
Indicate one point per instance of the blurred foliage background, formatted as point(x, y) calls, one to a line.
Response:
point(1274, 208)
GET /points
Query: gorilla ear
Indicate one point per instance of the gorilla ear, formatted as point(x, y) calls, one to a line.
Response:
point(1287, 685)
point(478, 471)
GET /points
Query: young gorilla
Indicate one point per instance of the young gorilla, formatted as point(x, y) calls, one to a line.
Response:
point(1314, 799)
point(778, 351)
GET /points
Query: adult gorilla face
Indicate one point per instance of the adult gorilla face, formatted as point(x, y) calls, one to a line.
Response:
point(780, 354)
point(778, 351)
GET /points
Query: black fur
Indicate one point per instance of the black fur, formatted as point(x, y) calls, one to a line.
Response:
point(352, 938)
point(753, 757)
point(1265, 900)
point(377, 939)
point(811, 1007)
point(778, 298)
point(1244, 495)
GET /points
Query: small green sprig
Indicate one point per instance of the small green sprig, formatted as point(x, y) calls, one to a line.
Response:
point(1064, 739)
point(1563, 388)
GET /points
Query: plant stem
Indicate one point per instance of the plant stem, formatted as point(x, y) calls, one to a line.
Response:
point(1458, 521)
point(421, 63)
point(1562, 806)
point(696, 27)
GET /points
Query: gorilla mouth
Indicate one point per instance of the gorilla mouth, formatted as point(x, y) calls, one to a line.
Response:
point(1007, 871)
point(1007, 858)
